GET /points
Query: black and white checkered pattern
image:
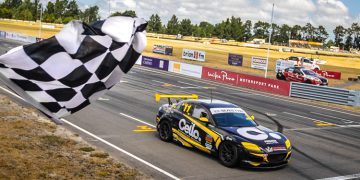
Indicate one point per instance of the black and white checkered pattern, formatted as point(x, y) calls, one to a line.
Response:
point(66, 72)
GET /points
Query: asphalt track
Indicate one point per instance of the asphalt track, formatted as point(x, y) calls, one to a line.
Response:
point(326, 141)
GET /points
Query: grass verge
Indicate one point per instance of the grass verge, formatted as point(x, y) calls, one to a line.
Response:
point(32, 147)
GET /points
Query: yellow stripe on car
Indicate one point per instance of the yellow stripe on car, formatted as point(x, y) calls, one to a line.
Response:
point(215, 136)
point(196, 144)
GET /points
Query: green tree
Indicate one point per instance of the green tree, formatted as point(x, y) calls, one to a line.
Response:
point(154, 24)
point(90, 14)
point(185, 27)
point(339, 33)
point(356, 30)
point(60, 8)
point(349, 39)
point(261, 30)
point(236, 29)
point(296, 32)
point(321, 34)
point(23, 12)
point(129, 13)
point(247, 30)
point(49, 13)
point(173, 25)
point(205, 29)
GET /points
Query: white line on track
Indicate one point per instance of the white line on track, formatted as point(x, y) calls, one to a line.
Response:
point(352, 176)
point(213, 83)
point(322, 128)
point(343, 120)
point(121, 150)
point(138, 120)
point(306, 117)
point(108, 143)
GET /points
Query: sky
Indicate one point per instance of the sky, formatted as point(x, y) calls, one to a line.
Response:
point(328, 13)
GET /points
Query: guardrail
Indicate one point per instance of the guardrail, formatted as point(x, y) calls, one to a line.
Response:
point(326, 94)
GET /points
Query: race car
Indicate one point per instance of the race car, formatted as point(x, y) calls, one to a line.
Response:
point(221, 129)
point(301, 74)
point(308, 63)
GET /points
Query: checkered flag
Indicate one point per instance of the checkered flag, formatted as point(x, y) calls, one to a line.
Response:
point(64, 73)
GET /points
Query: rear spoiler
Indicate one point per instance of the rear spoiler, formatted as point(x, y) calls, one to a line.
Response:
point(179, 96)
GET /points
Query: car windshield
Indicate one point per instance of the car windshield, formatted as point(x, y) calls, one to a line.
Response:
point(308, 72)
point(233, 120)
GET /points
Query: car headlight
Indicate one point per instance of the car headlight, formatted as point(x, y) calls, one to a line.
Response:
point(251, 147)
point(287, 144)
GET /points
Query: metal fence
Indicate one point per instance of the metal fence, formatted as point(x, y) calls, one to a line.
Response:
point(326, 94)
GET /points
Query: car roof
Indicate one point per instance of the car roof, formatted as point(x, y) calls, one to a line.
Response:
point(208, 103)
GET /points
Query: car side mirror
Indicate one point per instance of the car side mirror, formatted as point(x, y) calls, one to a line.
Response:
point(204, 120)
point(252, 117)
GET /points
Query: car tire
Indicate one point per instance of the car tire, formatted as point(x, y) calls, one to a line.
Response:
point(308, 82)
point(228, 154)
point(165, 131)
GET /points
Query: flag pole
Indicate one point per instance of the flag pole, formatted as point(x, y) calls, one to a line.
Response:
point(269, 44)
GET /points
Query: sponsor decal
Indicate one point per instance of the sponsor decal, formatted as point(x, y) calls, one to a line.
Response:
point(279, 148)
point(258, 63)
point(189, 129)
point(329, 74)
point(272, 141)
point(226, 110)
point(276, 136)
point(193, 55)
point(264, 84)
point(208, 138)
point(208, 146)
point(163, 49)
point(235, 59)
point(155, 63)
point(252, 133)
point(219, 75)
point(269, 149)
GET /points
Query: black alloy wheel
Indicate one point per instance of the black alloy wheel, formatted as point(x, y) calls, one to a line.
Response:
point(228, 154)
point(165, 131)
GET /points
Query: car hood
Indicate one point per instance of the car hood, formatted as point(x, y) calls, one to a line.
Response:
point(258, 135)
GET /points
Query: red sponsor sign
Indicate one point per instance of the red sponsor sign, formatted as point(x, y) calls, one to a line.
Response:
point(219, 75)
point(329, 74)
point(264, 84)
point(247, 81)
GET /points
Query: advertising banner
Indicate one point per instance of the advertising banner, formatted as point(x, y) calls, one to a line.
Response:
point(193, 55)
point(163, 49)
point(191, 70)
point(2, 34)
point(155, 63)
point(329, 74)
point(235, 59)
point(219, 75)
point(185, 69)
point(247, 81)
point(20, 37)
point(264, 84)
point(258, 63)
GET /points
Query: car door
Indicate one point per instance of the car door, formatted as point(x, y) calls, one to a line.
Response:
point(289, 74)
point(298, 76)
point(189, 128)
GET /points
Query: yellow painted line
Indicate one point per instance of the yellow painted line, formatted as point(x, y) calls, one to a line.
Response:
point(323, 123)
point(149, 130)
point(167, 85)
point(144, 129)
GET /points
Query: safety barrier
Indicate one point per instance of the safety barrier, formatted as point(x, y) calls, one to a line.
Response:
point(326, 94)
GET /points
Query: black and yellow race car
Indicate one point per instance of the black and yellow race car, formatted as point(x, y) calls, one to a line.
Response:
point(223, 129)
